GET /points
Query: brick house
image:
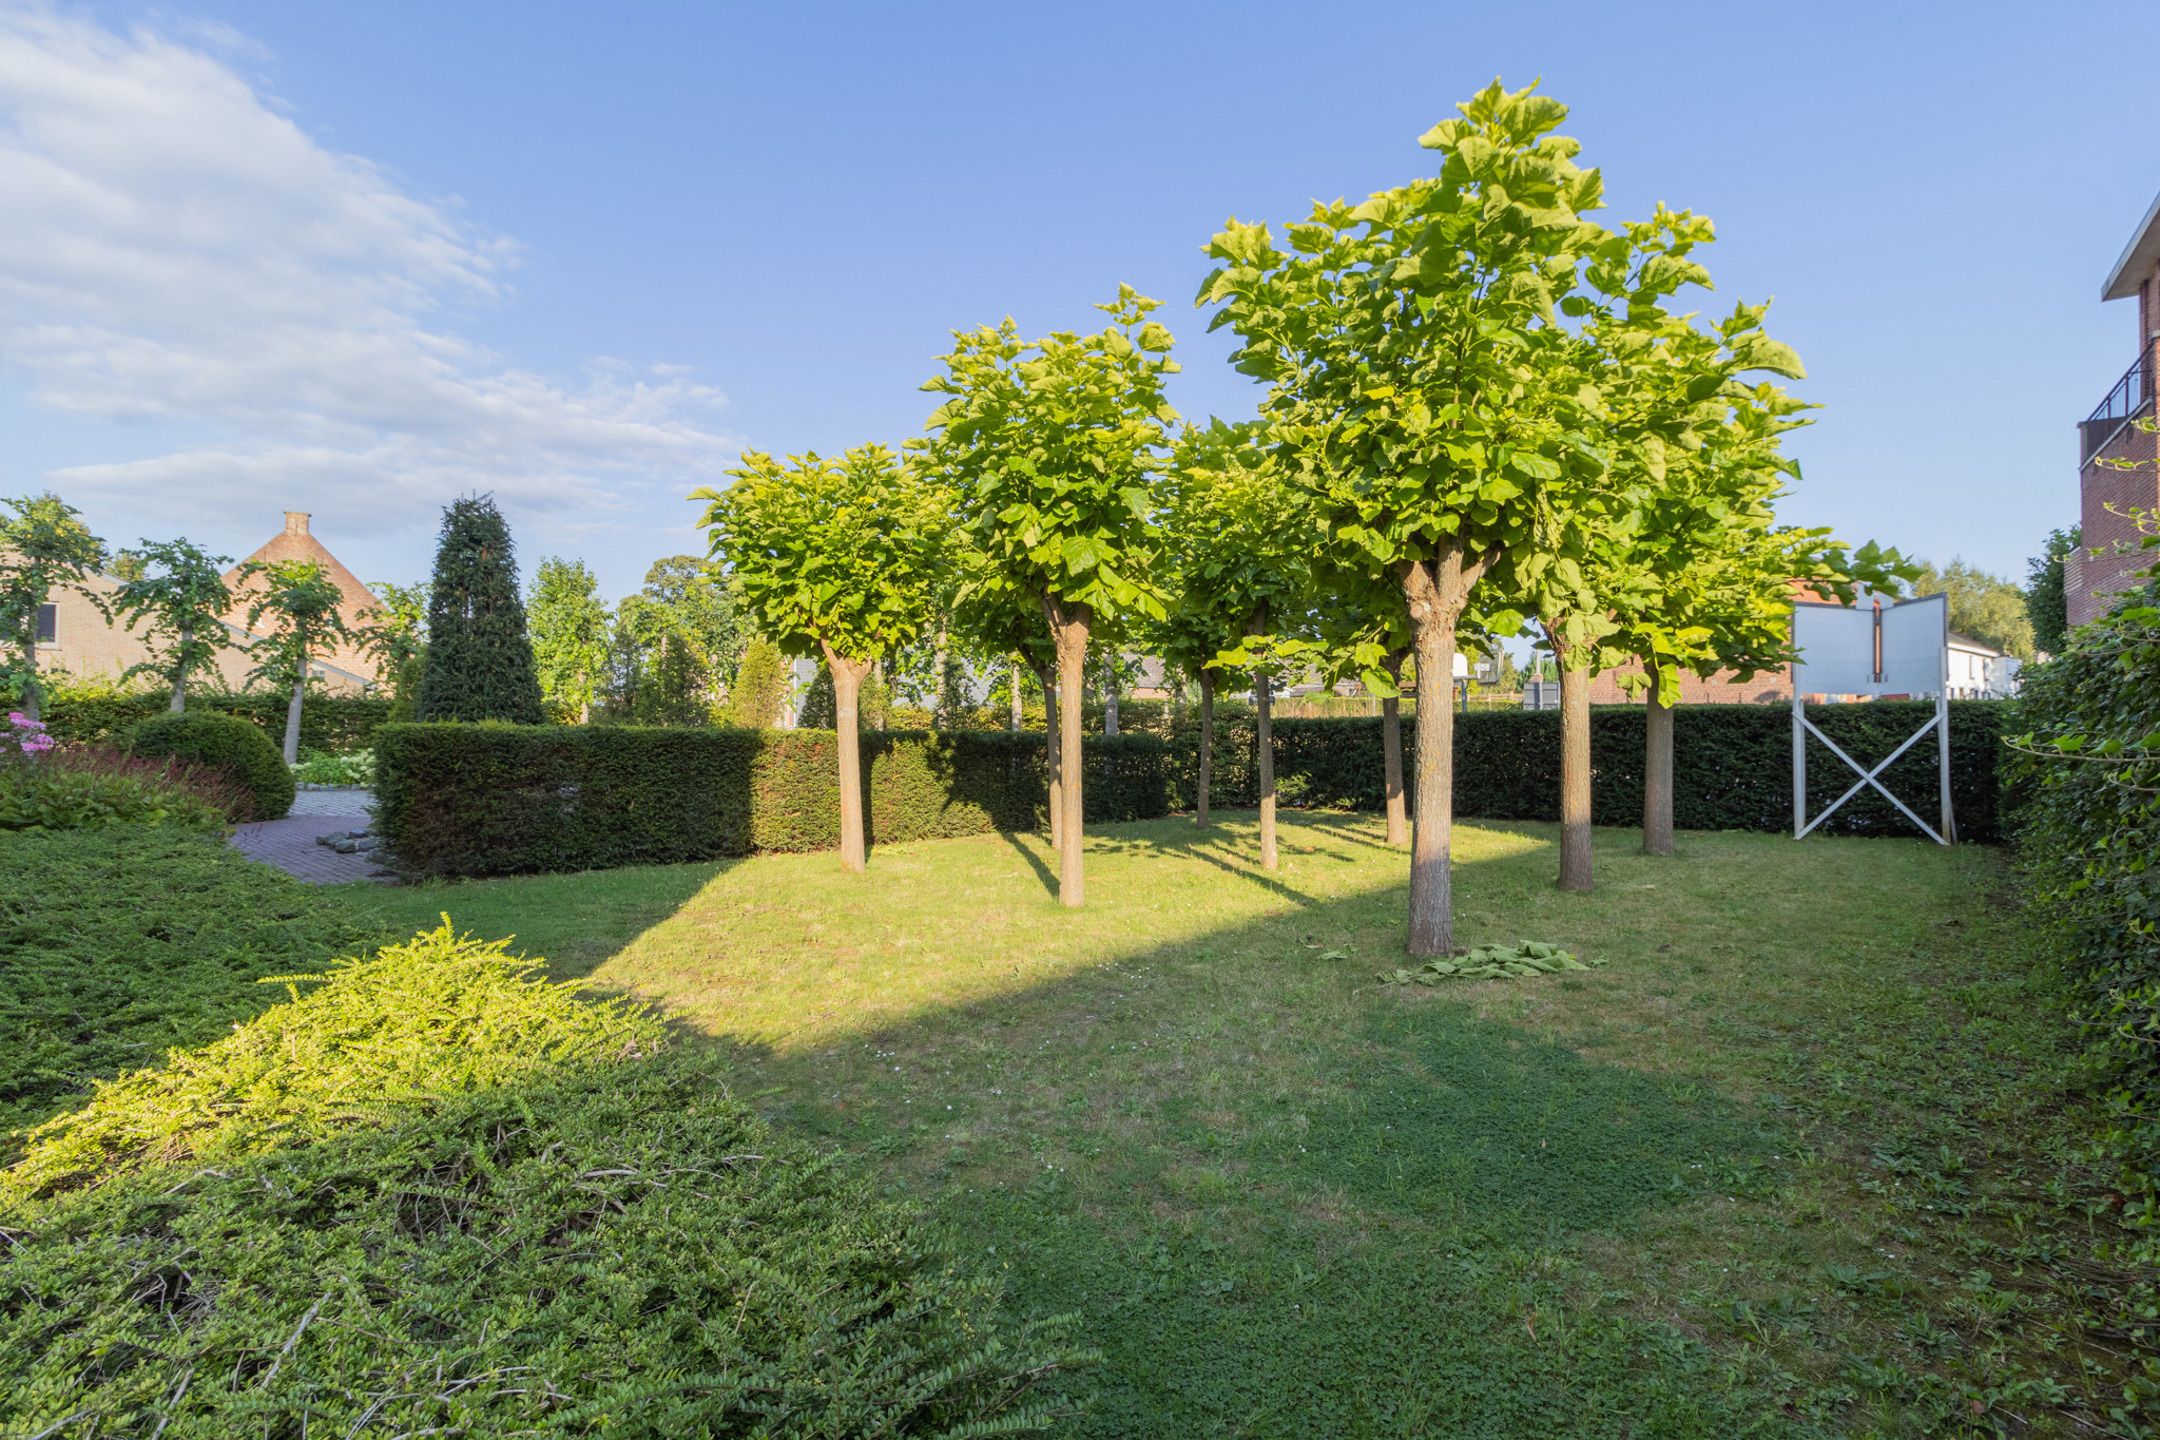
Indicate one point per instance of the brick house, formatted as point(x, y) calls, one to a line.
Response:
point(75, 639)
point(2102, 565)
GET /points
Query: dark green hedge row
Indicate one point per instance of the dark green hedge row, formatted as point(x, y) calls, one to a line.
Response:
point(506, 799)
point(1733, 764)
point(336, 723)
point(2086, 786)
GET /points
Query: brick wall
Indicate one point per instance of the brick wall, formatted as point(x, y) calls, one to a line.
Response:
point(2110, 537)
point(87, 645)
point(1768, 687)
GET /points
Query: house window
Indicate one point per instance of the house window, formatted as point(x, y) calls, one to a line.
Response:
point(48, 624)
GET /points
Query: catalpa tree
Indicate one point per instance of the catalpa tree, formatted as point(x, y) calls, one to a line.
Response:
point(992, 618)
point(1407, 344)
point(837, 559)
point(1052, 446)
point(1236, 557)
point(1679, 565)
point(1660, 390)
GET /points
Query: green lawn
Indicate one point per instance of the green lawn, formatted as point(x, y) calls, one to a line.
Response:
point(1776, 1168)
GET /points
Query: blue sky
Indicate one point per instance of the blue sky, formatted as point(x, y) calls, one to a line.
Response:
point(358, 258)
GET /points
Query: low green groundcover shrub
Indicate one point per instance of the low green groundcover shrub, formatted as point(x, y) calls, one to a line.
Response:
point(117, 944)
point(70, 789)
point(225, 742)
point(435, 1194)
point(623, 1251)
point(505, 799)
point(438, 1015)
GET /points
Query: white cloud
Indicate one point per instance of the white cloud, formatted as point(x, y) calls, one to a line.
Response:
point(177, 249)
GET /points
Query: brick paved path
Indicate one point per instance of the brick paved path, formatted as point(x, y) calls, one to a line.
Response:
point(290, 844)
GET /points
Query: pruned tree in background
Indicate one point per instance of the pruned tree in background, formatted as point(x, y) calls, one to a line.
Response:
point(991, 617)
point(479, 659)
point(1052, 447)
point(2047, 604)
point(44, 548)
point(1990, 608)
point(760, 689)
point(394, 635)
point(176, 593)
point(1404, 343)
point(1236, 557)
point(1683, 449)
point(676, 646)
point(569, 623)
point(842, 559)
point(295, 614)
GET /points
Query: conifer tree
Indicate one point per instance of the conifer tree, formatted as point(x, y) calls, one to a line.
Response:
point(479, 659)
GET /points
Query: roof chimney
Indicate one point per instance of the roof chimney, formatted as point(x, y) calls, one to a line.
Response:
point(296, 522)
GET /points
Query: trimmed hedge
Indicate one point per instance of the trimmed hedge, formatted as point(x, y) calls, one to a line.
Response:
point(222, 742)
point(2086, 817)
point(333, 723)
point(511, 799)
point(1733, 762)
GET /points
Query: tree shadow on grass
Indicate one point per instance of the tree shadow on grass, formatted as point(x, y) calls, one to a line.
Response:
point(1025, 851)
point(1216, 847)
point(580, 915)
point(1287, 1204)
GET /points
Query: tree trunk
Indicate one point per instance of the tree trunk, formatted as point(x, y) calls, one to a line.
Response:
point(1263, 707)
point(31, 704)
point(1069, 627)
point(1574, 769)
point(179, 684)
point(292, 720)
point(1436, 591)
point(1398, 819)
point(1207, 748)
point(1657, 800)
point(1109, 705)
point(847, 680)
point(1053, 754)
point(937, 682)
point(1019, 712)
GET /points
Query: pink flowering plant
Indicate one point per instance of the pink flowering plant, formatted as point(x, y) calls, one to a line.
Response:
point(23, 739)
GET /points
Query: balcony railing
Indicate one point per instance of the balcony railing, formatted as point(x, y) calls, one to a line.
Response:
point(2131, 397)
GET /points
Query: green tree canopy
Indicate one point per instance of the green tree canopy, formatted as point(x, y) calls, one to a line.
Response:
point(1989, 608)
point(839, 558)
point(2047, 603)
point(677, 644)
point(295, 613)
point(44, 546)
point(569, 624)
point(176, 592)
point(760, 688)
point(1051, 448)
point(1236, 556)
point(1411, 348)
point(479, 660)
point(394, 634)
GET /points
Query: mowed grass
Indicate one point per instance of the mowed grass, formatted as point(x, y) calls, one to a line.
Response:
point(1772, 1169)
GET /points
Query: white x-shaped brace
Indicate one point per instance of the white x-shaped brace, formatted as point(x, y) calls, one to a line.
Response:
point(1867, 777)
